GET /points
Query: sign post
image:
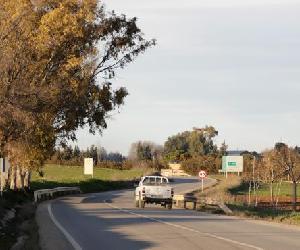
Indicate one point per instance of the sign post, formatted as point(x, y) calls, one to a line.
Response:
point(202, 175)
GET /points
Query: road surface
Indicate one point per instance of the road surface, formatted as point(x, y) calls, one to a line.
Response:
point(110, 221)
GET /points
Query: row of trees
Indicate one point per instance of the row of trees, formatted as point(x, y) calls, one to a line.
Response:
point(57, 61)
point(75, 156)
point(272, 167)
point(195, 150)
point(114, 160)
point(191, 144)
point(145, 151)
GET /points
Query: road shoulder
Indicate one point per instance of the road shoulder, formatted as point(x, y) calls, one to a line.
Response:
point(50, 236)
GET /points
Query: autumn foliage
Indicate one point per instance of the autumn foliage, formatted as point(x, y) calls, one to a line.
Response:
point(57, 60)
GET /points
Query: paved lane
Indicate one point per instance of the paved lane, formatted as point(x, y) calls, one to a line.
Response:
point(110, 221)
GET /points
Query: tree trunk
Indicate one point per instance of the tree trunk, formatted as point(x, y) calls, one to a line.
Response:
point(254, 193)
point(19, 179)
point(12, 178)
point(27, 179)
point(294, 192)
point(256, 199)
point(254, 182)
point(278, 193)
point(3, 183)
point(271, 193)
point(249, 194)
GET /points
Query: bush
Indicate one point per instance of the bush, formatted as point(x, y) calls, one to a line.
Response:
point(125, 165)
point(110, 164)
point(192, 166)
point(71, 162)
point(129, 164)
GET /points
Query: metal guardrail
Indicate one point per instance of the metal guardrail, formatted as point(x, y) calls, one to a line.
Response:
point(44, 194)
point(182, 200)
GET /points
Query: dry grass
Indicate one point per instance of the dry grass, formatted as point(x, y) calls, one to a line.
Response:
point(220, 190)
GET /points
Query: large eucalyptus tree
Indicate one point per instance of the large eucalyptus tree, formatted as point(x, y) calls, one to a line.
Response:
point(57, 61)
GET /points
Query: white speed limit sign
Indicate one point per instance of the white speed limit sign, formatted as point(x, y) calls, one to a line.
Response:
point(202, 174)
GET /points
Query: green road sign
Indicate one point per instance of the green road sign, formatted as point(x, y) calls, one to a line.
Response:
point(232, 164)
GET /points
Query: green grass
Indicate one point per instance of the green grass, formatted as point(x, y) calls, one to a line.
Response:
point(281, 216)
point(264, 190)
point(75, 174)
point(227, 188)
point(104, 179)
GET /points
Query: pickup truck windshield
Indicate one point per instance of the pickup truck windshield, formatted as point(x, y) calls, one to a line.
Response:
point(155, 181)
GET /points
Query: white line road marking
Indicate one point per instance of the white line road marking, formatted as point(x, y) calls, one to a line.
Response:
point(187, 228)
point(63, 230)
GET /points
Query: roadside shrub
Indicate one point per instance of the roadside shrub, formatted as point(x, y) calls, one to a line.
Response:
point(125, 165)
point(192, 166)
point(128, 164)
point(146, 164)
point(71, 162)
point(110, 164)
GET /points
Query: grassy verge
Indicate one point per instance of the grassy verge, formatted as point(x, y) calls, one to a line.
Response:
point(226, 189)
point(104, 179)
point(220, 190)
point(281, 216)
point(264, 189)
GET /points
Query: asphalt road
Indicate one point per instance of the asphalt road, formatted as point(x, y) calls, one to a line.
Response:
point(110, 221)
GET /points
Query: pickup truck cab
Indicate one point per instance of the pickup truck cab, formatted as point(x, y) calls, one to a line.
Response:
point(155, 190)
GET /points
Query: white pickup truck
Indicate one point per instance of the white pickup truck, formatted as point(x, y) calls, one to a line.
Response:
point(154, 189)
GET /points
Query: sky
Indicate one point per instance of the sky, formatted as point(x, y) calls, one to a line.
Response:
point(232, 64)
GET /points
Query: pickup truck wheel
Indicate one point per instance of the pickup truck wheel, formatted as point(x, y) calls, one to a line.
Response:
point(169, 206)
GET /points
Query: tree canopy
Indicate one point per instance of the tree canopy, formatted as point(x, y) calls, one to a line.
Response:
point(57, 60)
point(189, 144)
point(145, 150)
